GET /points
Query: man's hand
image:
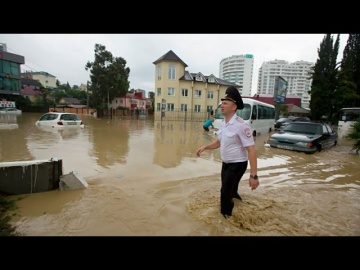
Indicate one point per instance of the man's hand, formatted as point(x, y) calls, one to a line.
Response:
point(253, 183)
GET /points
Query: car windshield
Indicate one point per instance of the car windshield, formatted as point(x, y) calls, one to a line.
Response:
point(69, 117)
point(281, 120)
point(305, 119)
point(49, 116)
point(303, 128)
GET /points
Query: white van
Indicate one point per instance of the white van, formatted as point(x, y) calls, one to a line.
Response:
point(260, 116)
point(347, 118)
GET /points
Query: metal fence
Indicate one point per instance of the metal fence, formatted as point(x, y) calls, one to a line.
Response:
point(178, 115)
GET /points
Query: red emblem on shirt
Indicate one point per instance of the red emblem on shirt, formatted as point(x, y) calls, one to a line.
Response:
point(248, 132)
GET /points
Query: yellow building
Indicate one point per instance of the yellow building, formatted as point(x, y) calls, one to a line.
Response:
point(182, 95)
point(46, 79)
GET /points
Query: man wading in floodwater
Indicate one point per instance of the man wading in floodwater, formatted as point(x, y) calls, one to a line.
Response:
point(237, 147)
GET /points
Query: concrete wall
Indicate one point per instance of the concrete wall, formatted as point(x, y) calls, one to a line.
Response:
point(23, 177)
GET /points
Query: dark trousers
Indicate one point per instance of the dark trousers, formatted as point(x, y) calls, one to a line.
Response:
point(231, 174)
point(206, 128)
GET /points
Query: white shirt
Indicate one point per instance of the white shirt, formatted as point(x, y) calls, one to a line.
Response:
point(234, 137)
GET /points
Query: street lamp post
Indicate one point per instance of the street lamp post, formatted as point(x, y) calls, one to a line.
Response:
point(87, 97)
point(108, 100)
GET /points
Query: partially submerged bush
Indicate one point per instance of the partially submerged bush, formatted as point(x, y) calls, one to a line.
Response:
point(6, 229)
point(355, 135)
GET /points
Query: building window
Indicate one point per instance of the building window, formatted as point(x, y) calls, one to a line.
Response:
point(171, 91)
point(197, 93)
point(6, 84)
point(198, 78)
point(184, 92)
point(211, 79)
point(159, 72)
point(210, 94)
point(158, 92)
point(6, 67)
point(209, 108)
point(197, 108)
point(171, 73)
point(15, 70)
point(183, 107)
point(170, 107)
point(158, 106)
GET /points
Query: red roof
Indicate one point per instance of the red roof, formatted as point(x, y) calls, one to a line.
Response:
point(29, 91)
point(269, 98)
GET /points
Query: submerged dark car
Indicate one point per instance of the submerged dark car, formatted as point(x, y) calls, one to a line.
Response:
point(284, 121)
point(308, 137)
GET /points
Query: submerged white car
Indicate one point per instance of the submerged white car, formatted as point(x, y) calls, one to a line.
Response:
point(60, 120)
point(10, 110)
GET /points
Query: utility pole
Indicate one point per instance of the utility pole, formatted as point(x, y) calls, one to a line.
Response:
point(87, 97)
point(108, 101)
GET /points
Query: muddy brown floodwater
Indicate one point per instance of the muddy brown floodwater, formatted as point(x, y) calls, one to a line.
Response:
point(145, 180)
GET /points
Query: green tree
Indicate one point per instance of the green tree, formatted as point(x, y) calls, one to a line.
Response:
point(152, 96)
point(345, 94)
point(284, 109)
point(349, 78)
point(324, 79)
point(65, 86)
point(109, 77)
point(58, 95)
point(44, 94)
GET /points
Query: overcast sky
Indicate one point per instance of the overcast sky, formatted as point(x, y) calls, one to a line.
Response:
point(65, 55)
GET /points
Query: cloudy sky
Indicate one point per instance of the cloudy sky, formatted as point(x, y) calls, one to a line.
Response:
point(65, 55)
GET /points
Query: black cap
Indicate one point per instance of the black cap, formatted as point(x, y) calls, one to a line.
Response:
point(233, 95)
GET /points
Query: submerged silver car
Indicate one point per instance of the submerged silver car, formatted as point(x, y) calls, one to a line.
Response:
point(284, 121)
point(308, 137)
point(60, 120)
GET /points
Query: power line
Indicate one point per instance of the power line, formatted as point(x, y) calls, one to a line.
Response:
point(31, 68)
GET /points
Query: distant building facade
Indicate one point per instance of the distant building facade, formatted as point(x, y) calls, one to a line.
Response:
point(46, 79)
point(238, 69)
point(83, 87)
point(30, 89)
point(297, 75)
point(10, 72)
point(132, 101)
point(69, 101)
point(292, 102)
point(190, 95)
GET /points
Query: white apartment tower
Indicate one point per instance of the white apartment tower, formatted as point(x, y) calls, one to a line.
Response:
point(296, 74)
point(238, 69)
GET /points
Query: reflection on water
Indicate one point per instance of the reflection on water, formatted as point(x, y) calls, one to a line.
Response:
point(144, 179)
